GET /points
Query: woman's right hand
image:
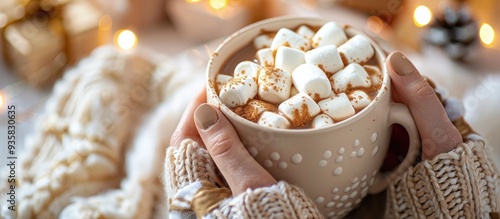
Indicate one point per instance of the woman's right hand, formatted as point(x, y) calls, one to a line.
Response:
point(437, 132)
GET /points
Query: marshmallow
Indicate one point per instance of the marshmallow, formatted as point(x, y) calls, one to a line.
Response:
point(262, 41)
point(238, 91)
point(321, 120)
point(220, 80)
point(305, 32)
point(274, 85)
point(357, 49)
point(286, 37)
point(293, 91)
point(326, 57)
point(338, 107)
point(254, 109)
point(299, 109)
point(329, 34)
point(247, 68)
point(289, 58)
point(352, 76)
point(359, 99)
point(375, 74)
point(310, 79)
point(273, 120)
point(265, 57)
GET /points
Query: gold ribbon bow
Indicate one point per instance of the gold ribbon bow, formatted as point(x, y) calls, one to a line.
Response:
point(208, 198)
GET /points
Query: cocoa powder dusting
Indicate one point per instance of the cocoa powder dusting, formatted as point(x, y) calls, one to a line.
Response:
point(370, 71)
point(246, 113)
point(344, 59)
point(316, 44)
point(371, 91)
point(301, 117)
point(213, 84)
point(322, 67)
point(316, 97)
point(254, 109)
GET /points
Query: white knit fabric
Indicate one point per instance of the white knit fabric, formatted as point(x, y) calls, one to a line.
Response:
point(89, 153)
point(462, 183)
point(188, 164)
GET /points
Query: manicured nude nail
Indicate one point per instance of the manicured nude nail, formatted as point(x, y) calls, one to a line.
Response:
point(205, 116)
point(401, 65)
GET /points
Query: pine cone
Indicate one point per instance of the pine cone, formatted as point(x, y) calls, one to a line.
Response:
point(455, 31)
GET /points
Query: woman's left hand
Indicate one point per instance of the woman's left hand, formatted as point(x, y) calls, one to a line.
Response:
point(206, 124)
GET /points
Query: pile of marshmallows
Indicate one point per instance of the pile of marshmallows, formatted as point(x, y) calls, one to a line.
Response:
point(309, 76)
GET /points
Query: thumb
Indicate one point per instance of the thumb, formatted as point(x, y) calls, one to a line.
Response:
point(437, 133)
point(237, 166)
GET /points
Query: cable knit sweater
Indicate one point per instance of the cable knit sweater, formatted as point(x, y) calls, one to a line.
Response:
point(462, 183)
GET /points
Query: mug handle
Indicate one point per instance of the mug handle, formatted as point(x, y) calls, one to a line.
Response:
point(399, 114)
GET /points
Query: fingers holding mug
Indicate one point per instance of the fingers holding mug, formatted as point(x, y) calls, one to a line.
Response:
point(238, 167)
point(437, 132)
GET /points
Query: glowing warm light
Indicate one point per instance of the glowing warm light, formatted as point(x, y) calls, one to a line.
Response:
point(487, 34)
point(126, 39)
point(422, 16)
point(375, 24)
point(1, 100)
point(218, 4)
point(192, 1)
point(105, 22)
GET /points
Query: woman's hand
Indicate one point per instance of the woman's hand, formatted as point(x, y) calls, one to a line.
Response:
point(437, 133)
point(204, 123)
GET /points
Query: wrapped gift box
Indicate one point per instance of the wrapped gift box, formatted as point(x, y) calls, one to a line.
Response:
point(39, 47)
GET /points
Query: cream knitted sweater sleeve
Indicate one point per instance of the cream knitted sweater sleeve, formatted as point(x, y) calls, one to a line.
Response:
point(189, 166)
point(460, 184)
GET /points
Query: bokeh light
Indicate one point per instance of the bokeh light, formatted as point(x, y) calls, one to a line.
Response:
point(487, 34)
point(105, 22)
point(422, 16)
point(1, 100)
point(126, 39)
point(218, 4)
point(375, 24)
point(192, 1)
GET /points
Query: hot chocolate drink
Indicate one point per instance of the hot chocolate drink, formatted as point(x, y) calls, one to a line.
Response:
point(306, 77)
point(326, 95)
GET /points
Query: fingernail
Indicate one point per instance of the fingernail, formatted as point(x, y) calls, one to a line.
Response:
point(401, 64)
point(205, 116)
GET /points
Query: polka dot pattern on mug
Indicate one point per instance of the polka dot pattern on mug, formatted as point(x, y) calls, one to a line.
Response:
point(253, 151)
point(340, 199)
point(296, 158)
point(275, 159)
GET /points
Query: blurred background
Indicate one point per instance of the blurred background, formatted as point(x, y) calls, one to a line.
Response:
point(454, 42)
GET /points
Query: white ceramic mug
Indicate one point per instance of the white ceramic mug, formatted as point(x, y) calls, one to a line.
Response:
point(336, 165)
